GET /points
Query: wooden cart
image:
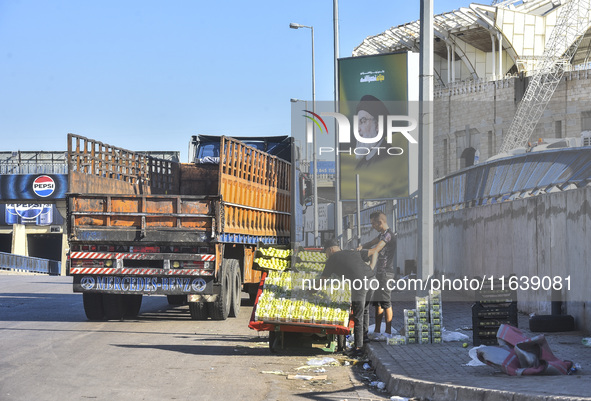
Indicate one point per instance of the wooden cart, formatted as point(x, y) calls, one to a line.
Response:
point(336, 334)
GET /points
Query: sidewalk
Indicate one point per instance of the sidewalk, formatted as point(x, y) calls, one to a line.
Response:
point(437, 372)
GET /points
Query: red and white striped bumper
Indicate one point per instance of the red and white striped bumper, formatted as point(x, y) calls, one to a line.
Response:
point(136, 256)
point(141, 271)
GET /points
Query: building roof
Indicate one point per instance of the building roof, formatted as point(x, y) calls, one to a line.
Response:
point(525, 27)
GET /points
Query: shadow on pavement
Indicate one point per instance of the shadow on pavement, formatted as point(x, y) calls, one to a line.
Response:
point(213, 350)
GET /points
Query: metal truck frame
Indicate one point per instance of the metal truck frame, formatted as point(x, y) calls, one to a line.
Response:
point(140, 225)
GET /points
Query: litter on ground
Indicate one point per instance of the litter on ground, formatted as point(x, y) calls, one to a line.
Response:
point(323, 362)
point(381, 335)
point(519, 355)
point(449, 336)
point(306, 377)
point(377, 384)
point(474, 361)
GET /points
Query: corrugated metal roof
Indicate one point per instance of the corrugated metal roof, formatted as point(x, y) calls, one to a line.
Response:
point(473, 26)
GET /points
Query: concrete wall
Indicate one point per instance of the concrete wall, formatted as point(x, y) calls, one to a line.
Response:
point(539, 236)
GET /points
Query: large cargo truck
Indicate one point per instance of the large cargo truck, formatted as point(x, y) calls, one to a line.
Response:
point(139, 225)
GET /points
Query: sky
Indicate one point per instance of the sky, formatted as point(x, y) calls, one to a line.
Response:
point(146, 75)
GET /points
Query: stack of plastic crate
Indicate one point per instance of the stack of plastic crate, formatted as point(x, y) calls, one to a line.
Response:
point(410, 326)
point(424, 325)
point(436, 317)
point(494, 306)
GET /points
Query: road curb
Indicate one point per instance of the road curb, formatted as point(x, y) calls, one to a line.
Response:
point(404, 386)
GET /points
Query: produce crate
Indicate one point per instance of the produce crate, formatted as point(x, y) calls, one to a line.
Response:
point(486, 341)
point(495, 311)
point(496, 296)
point(265, 257)
point(309, 260)
point(488, 317)
point(336, 333)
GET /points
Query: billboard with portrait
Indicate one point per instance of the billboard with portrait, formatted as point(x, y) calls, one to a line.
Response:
point(377, 93)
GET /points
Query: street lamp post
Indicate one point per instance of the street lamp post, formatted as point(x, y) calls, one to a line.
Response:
point(425, 215)
point(293, 25)
point(338, 210)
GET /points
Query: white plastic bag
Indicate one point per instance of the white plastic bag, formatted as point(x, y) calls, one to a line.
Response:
point(377, 384)
point(322, 362)
point(473, 354)
point(448, 336)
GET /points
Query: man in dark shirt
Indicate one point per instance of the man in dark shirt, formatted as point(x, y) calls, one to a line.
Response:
point(382, 250)
point(350, 266)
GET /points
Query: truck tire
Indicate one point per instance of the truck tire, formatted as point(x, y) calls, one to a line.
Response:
point(198, 310)
point(236, 290)
point(132, 303)
point(176, 300)
point(93, 305)
point(220, 309)
point(114, 306)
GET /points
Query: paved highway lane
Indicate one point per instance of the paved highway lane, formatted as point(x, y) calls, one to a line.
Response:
point(49, 351)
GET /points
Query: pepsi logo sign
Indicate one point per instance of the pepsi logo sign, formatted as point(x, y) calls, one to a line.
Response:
point(43, 186)
point(28, 212)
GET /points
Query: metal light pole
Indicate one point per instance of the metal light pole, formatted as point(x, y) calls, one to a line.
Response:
point(425, 226)
point(314, 176)
point(338, 210)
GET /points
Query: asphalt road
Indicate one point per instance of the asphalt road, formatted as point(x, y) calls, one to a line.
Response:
point(49, 351)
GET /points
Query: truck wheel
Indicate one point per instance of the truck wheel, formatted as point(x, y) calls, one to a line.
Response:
point(198, 310)
point(176, 300)
point(236, 290)
point(132, 303)
point(220, 309)
point(93, 305)
point(114, 306)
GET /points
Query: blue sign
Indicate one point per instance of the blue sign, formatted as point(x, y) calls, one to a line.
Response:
point(20, 187)
point(38, 214)
point(324, 167)
point(144, 285)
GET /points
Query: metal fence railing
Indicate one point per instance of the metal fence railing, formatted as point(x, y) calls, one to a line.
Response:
point(34, 162)
point(507, 179)
point(9, 261)
point(48, 168)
